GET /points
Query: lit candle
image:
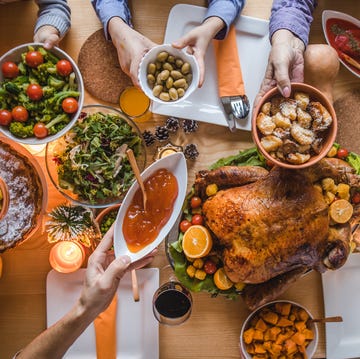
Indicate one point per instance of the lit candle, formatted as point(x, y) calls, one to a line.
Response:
point(66, 256)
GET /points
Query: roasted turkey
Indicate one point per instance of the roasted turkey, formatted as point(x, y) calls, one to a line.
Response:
point(271, 227)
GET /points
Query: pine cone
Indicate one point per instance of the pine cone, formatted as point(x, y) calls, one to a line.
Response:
point(149, 138)
point(161, 133)
point(191, 152)
point(172, 124)
point(189, 126)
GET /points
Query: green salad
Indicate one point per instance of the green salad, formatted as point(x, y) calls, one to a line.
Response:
point(249, 157)
point(38, 95)
point(91, 160)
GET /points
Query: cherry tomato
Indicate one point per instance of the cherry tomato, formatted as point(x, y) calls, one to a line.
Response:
point(342, 153)
point(5, 117)
point(269, 163)
point(184, 225)
point(64, 68)
point(195, 202)
point(20, 114)
point(34, 58)
point(210, 266)
point(197, 219)
point(35, 92)
point(10, 70)
point(355, 199)
point(70, 105)
point(40, 130)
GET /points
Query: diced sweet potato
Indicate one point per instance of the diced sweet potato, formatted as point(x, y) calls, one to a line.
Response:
point(298, 338)
point(249, 335)
point(250, 348)
point(300, 326)
point(276, 349)
point(290, 347)
point(283, 308)
point(271, 317)
point(309, 334)
point(272, 333)
point(284, 322)
point(303, 315)
point(258, 335)
point(259, 348)
point(261, 325)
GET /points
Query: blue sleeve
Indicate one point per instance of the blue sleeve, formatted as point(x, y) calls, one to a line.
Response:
point(227, 10)
point(107, 9)
point(292, 15)
point(55, 13)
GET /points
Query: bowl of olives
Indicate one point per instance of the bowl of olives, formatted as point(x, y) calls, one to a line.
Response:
point(168, 75)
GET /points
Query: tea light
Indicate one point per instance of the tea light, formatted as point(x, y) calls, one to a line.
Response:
point(66, 256)
point(166, 150)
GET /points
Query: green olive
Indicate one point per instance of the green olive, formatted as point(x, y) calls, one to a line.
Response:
point(169, 82)
point(162, 56)
point(157, 90)
point(151, 68)
point(180, 92)
point(164, 96)
point(173, 94)
point(180, 83)
point(164, 74)
point(185, 68)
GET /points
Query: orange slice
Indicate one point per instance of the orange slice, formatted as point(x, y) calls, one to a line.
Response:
point(221, 280)
point(341, 211)
point(197, 242)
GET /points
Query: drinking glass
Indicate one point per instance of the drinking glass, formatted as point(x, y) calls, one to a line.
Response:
point(172, 302)
point(135, 104)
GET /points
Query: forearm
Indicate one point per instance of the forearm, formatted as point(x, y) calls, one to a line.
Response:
point(55, 341)
point(227, 11)
point(54, 13)
point(108, 9)
point(295, 16)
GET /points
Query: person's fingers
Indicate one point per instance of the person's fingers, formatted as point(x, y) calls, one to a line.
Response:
point(181, 43)
point(116, 270)
point(281, 75)
point(51, 41)
point(201, 63)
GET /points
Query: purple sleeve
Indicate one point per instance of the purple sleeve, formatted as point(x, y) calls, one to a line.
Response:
point(292, 15)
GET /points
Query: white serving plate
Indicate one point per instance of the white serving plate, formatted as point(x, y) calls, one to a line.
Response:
point(341, 297)
point(253, 45)
point(176, 164)
point(137, 328)
point(330, 14)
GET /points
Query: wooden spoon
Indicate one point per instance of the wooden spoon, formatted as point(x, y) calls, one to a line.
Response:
point(135, 168)
point(327, 320)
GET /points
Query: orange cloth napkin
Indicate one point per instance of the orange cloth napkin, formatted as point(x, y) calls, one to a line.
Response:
point(230, 80)
point(105, 332)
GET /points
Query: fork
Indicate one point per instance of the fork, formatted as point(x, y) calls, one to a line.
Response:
point(236, 108)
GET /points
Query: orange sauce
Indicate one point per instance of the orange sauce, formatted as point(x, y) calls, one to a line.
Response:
point(141, 227)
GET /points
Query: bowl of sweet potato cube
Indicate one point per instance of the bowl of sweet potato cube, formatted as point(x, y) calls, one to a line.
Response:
point(279, 329)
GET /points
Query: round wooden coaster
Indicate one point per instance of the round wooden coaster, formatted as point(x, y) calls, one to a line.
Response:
point(100, 68)
point(348, 115)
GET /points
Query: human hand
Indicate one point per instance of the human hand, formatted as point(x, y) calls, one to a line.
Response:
point(285, 64)
point(48, 35)
point(104, 273)
point(130, 45)
point(197, 41)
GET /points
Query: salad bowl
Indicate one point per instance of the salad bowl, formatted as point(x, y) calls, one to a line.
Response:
point(60, 87)
point(88, 165)
point(174, 163)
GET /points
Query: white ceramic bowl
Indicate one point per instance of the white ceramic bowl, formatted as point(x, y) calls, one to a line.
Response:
point(310, 349)
point(330, 14)
point(150, 57)
point(14, 55)
point(174, 163)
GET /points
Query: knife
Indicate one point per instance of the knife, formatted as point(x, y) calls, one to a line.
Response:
point(230, 80)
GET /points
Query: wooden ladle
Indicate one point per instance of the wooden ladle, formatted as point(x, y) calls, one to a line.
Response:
point(327, 320)
point(135, 168)
point(5, 198)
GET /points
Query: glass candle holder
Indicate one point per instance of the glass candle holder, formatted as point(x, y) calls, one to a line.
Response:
point(135, 104)
point(66, 256)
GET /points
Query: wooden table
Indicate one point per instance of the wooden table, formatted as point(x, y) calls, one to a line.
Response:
point(214, 327)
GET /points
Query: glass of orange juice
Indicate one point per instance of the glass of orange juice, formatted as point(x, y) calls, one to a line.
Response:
point(135, 104)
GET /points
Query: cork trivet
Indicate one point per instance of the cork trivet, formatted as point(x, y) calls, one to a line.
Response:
point(347, 110)
point(100, 68)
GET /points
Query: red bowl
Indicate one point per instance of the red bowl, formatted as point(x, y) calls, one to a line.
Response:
point(315, 95)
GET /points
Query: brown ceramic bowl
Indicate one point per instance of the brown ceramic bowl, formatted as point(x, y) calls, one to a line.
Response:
point(102, 214)
point(330, 134)
point(4, 201)
point(253, 317)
